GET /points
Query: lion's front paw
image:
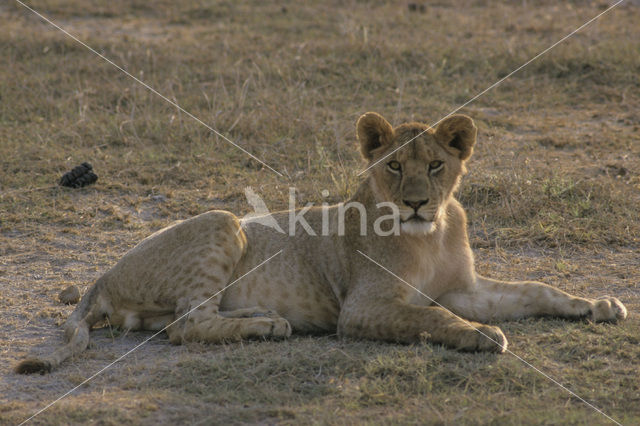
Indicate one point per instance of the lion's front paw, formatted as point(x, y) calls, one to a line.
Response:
point(491, 339)
point(483, 338)
point(608, 309)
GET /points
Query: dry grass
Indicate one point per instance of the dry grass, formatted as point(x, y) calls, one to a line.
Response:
point(553, 194)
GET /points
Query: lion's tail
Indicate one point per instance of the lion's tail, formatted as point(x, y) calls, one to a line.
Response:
point(91, 309)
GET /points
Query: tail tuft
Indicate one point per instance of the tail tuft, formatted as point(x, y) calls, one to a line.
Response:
point(33, 365)
point(77, 327)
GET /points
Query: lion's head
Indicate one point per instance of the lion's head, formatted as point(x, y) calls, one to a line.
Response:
point(420, 177)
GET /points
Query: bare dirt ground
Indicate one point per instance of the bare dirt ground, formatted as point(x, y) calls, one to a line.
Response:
point(553, 194)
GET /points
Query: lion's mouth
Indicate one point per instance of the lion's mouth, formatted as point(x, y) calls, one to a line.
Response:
point(417, 225)
point(414, 218)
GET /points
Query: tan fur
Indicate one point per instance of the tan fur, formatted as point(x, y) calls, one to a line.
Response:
point(322, 283)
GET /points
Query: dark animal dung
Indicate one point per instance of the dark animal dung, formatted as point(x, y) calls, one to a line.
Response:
point(80, 176)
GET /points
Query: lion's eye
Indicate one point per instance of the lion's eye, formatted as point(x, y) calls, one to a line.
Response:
point(394, 165)
point(435, 166)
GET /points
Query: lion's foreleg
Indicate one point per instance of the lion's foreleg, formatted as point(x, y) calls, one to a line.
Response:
point(499, 300)
point(404, 322)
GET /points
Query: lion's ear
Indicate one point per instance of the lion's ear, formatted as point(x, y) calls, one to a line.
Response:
point(373, 132)
point(458, 134)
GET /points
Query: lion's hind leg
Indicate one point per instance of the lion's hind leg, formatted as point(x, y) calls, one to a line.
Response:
point(252, 312)
point(204, 323)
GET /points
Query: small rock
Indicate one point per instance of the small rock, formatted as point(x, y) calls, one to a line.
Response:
point(70, 295)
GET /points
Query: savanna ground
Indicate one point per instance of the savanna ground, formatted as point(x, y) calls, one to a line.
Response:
point(553, 194)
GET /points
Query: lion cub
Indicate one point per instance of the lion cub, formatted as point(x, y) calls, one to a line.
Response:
point(402, 272)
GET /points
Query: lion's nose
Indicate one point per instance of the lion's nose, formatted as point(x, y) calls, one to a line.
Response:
point(415, 205)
